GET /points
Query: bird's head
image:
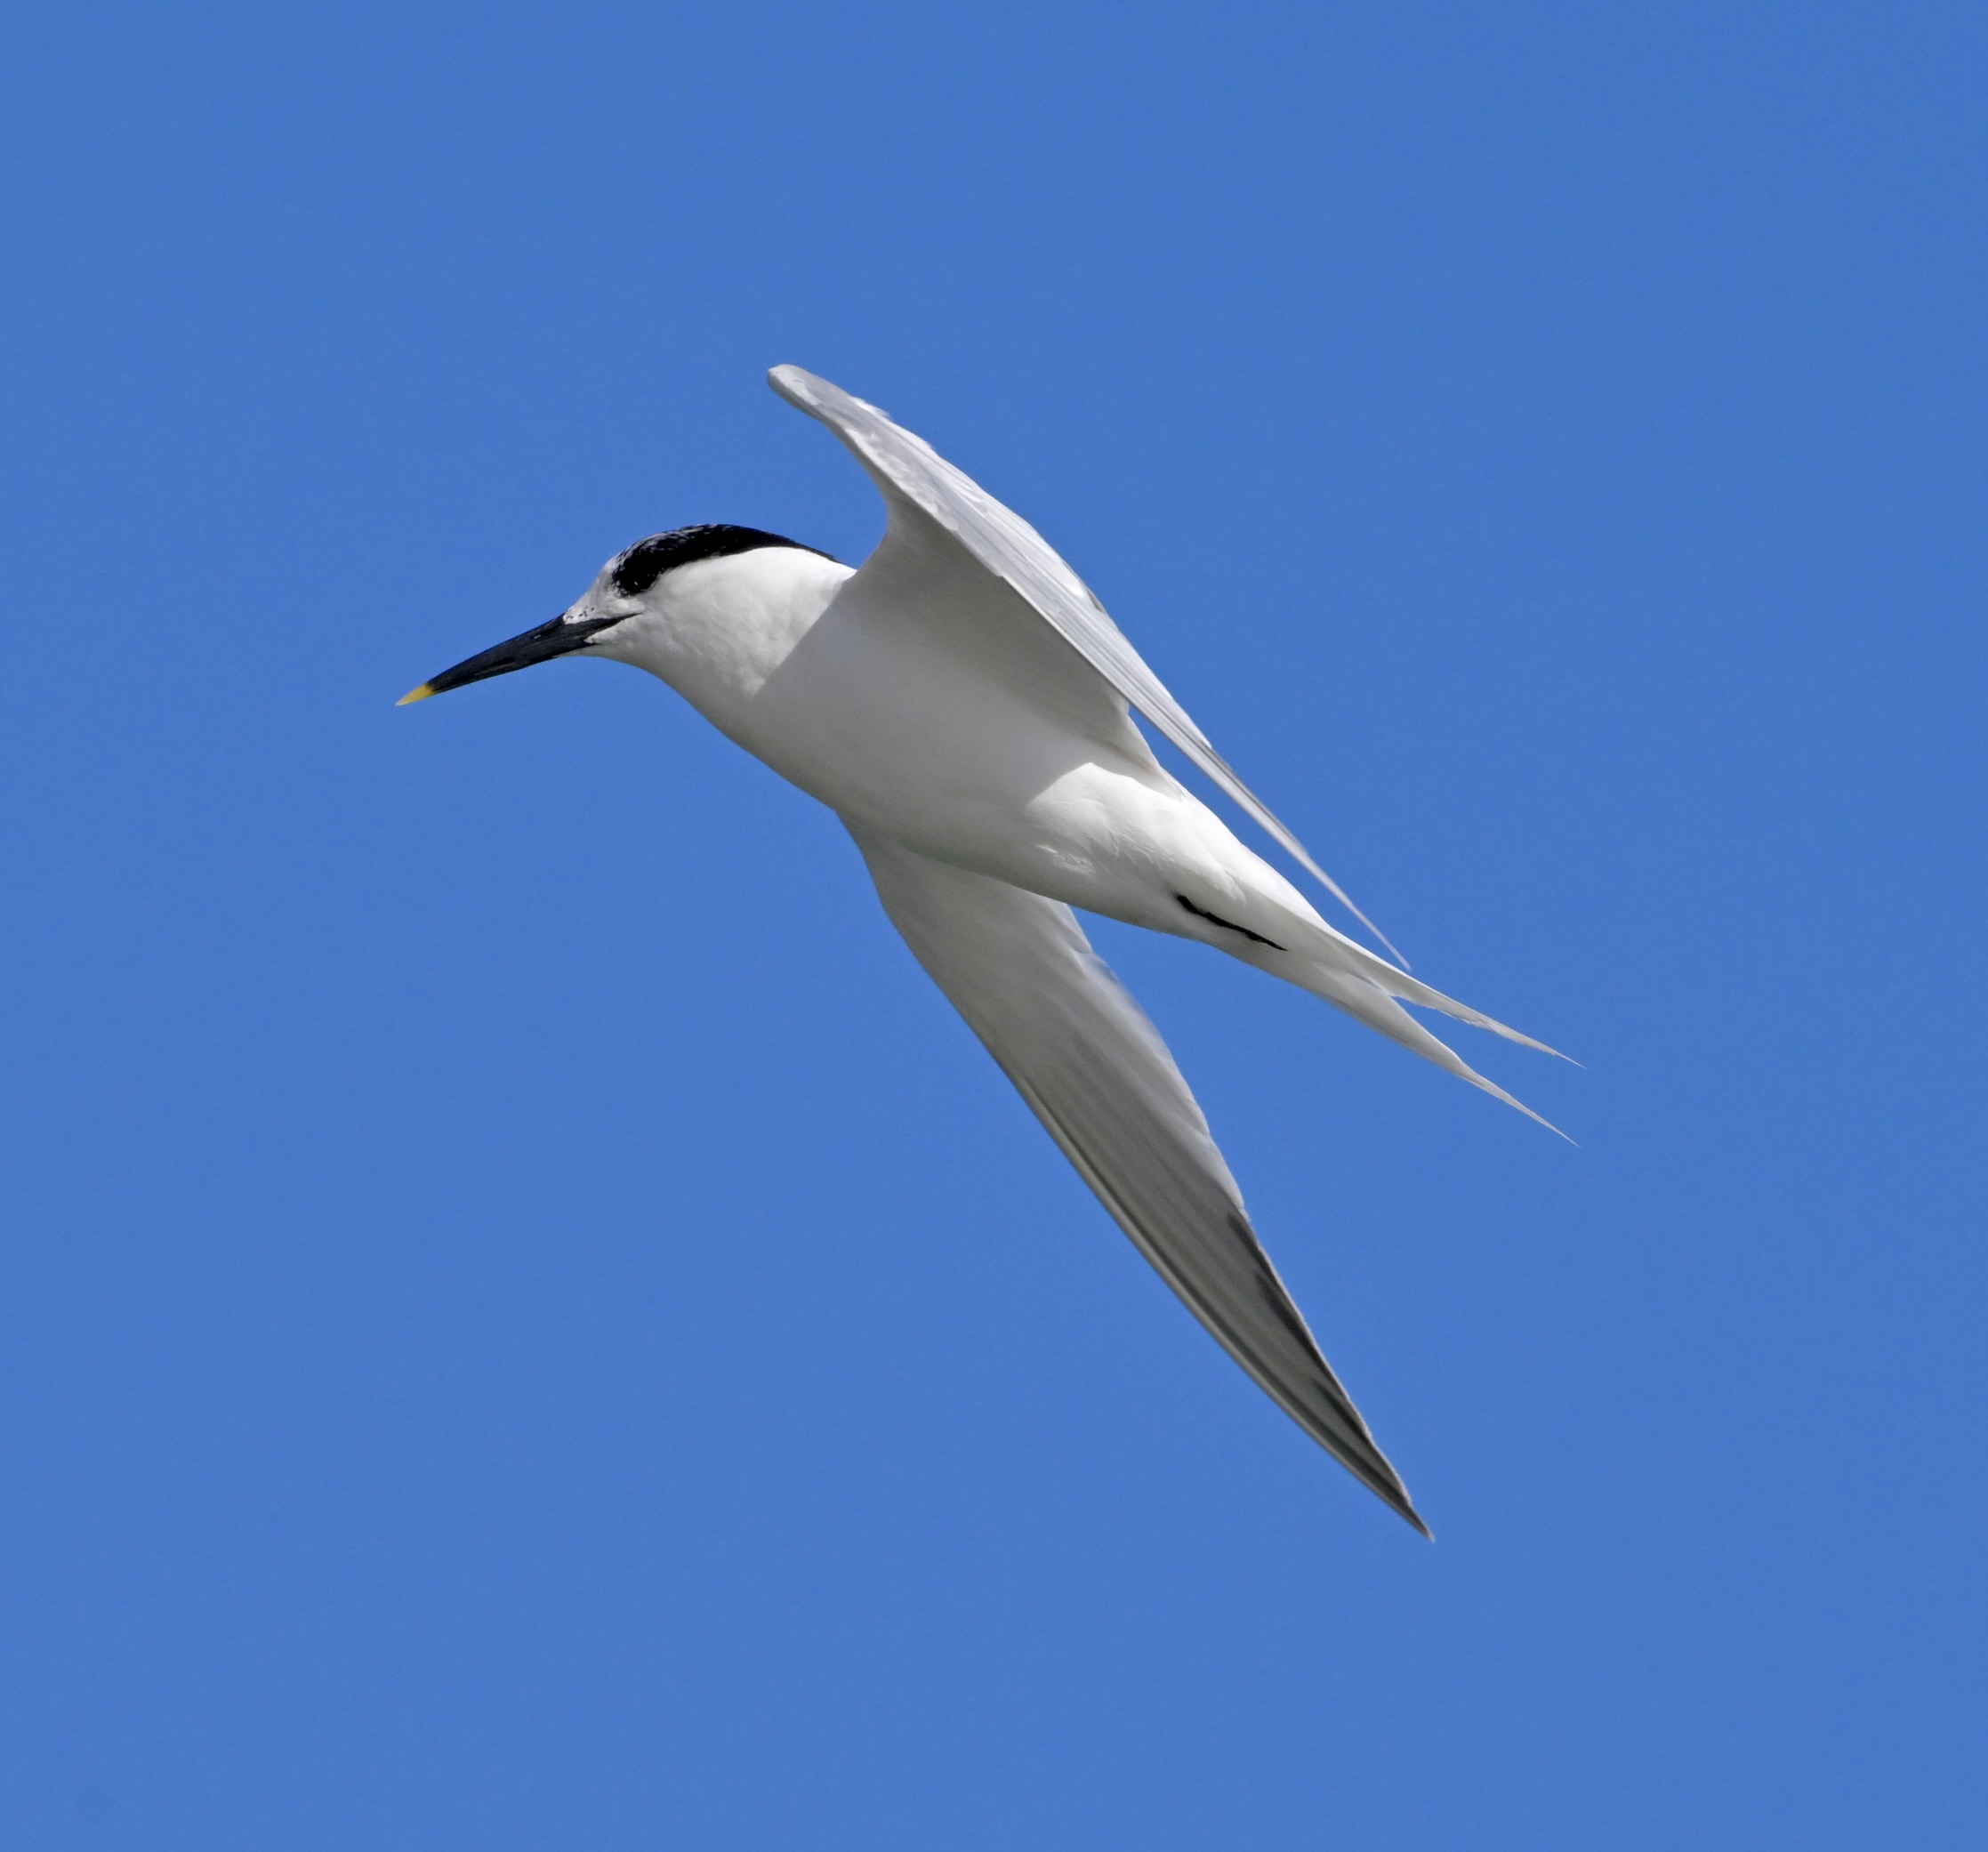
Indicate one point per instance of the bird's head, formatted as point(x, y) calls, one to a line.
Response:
point(634, 608)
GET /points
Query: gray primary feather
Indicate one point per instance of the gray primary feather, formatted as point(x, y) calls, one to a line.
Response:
point(1094, 1070)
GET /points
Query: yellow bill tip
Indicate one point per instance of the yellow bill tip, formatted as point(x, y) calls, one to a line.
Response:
point(413, 695)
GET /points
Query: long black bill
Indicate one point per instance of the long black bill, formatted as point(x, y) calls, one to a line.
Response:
point(560, 637)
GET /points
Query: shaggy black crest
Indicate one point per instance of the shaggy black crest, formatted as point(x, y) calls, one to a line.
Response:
point(648, 559)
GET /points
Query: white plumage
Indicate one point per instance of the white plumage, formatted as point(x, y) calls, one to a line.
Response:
point(962, 703)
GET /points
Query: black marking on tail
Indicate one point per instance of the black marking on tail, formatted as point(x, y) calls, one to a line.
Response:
point(1202, 913)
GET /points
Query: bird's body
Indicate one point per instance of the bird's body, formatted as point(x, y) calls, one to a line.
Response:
point(888, 714)
point(963, 703)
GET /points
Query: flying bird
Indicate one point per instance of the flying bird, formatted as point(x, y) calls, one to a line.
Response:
point(964, 703)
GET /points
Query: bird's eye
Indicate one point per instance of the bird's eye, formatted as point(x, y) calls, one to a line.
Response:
point(642, 565)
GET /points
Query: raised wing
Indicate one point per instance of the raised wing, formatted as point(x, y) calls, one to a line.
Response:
point(1096, 1073)
point(919, 488)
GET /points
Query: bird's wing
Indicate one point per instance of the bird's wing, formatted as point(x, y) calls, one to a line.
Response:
point(930, 501)
point(1096, 1073)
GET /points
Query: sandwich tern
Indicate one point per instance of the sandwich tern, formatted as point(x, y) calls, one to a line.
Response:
point(962, 703)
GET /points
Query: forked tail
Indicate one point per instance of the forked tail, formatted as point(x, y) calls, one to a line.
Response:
point(1352, 978)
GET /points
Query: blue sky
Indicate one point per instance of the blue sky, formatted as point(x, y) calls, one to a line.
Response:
point(524, 1320)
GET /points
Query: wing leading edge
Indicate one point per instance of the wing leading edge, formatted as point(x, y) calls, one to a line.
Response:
point(1094, 1070)
point(910, 474)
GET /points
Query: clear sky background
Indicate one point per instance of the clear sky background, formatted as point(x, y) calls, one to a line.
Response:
point(525, 1321)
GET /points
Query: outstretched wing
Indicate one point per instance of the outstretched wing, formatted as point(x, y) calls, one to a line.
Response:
point(931, 501)
point(1096, 1073)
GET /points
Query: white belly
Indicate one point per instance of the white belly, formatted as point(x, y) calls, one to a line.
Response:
point(899, 734)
